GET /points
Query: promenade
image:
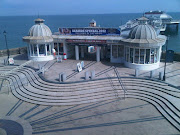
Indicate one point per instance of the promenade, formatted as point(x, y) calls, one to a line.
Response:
point(115, 102)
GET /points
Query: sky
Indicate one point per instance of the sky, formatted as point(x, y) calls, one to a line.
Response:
point(64, 7)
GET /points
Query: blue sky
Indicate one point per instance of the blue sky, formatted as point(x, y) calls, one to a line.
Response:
point(56, 7)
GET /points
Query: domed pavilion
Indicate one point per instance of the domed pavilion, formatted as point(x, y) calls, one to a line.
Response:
point(40, 42)
point(143, 47)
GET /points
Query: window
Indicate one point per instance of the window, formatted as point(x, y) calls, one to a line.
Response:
point(142, 52)
point(42, 49)
point(141, 56)
point(147, 56)
point(127, 54)
point(120, 51)
point(117, 51)
point(56, 48)
point(114, 51)
point(152, 55)
point(136, 57)
point(34, 49)
point(59, 48)
point(155, 55)
point(132, 55)
point(48, 49)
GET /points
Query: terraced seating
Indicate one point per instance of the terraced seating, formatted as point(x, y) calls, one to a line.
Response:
point(163, 96)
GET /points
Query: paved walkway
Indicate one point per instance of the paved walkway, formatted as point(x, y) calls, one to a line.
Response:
point(93, 107)
point(101, 68)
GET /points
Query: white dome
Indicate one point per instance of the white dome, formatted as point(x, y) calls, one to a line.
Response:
point(143, 32)
point(165, 16)
point(39, 29)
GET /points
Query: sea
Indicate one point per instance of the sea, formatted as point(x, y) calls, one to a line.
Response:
point(18, 26)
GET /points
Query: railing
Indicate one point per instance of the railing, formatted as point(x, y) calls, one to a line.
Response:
point(120, 81)
point(112, 85)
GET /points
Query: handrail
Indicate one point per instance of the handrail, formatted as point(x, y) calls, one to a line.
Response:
point(111, 83)
point(120, 81)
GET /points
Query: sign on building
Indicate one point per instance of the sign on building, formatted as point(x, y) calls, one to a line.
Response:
point(89, 31)
point(85, 41)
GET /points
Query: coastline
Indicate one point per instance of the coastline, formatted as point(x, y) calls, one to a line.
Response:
point(14, 51)
point(23, 50)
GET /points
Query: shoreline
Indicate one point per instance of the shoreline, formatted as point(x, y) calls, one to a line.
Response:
point(23, 50)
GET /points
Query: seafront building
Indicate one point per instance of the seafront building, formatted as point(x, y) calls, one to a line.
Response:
point(139, 49)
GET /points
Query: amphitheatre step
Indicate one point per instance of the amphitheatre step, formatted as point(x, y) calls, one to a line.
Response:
point(74, 84)
point(159, 99)
point(164, 97)
point(162, 111)
point(76, 98)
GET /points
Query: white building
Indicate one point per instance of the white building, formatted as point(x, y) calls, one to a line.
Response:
point(40, 42)
point(139, 49)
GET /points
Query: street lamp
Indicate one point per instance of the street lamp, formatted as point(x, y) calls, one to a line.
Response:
point(5, 33)
point(164, 77)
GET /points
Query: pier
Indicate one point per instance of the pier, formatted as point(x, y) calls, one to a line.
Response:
point(173, 23)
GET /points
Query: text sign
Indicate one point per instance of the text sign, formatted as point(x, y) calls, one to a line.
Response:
point(89, 31)
point(85, 41)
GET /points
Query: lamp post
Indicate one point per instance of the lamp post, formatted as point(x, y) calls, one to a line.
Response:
point(5, 33)
point(164, 77)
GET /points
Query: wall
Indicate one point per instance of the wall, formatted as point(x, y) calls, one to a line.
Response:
point(21, 50)
point(176, 56)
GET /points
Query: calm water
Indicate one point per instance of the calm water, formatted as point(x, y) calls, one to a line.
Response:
point(18, 26)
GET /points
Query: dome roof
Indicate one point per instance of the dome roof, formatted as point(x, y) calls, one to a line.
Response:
point(143, 32)
point(39, 29)
point(165, 16)
point(144, 35)
point(92, 21)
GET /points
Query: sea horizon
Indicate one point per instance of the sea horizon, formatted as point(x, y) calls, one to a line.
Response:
point(39, 15)
point(18, 26)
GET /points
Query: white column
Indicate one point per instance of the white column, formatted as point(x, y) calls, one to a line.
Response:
point(111, 53)
point(37, 49)
point(159, 53)
point(30, 53)
point(77, 52)
point(82, 51)
point(50, 48)
point(65, 49)
point(32, 45)
point(98, 54)
point(46, 49)
point(58, 48)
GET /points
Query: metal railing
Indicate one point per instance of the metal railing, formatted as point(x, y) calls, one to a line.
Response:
point(120, 81)
point(112, 85)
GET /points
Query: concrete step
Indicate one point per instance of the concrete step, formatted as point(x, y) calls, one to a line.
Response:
point(159, 108)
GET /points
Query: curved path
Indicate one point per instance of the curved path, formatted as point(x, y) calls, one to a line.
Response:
point(164, 97)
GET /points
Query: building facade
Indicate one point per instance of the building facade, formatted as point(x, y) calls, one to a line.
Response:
point(139, 49)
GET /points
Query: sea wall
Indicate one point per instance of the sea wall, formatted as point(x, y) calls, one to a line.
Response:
point(176, 56)
point(14, 51)
point(23, 50)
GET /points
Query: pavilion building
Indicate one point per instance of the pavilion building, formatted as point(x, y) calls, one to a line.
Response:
point(139, 49)
point(40, 42)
